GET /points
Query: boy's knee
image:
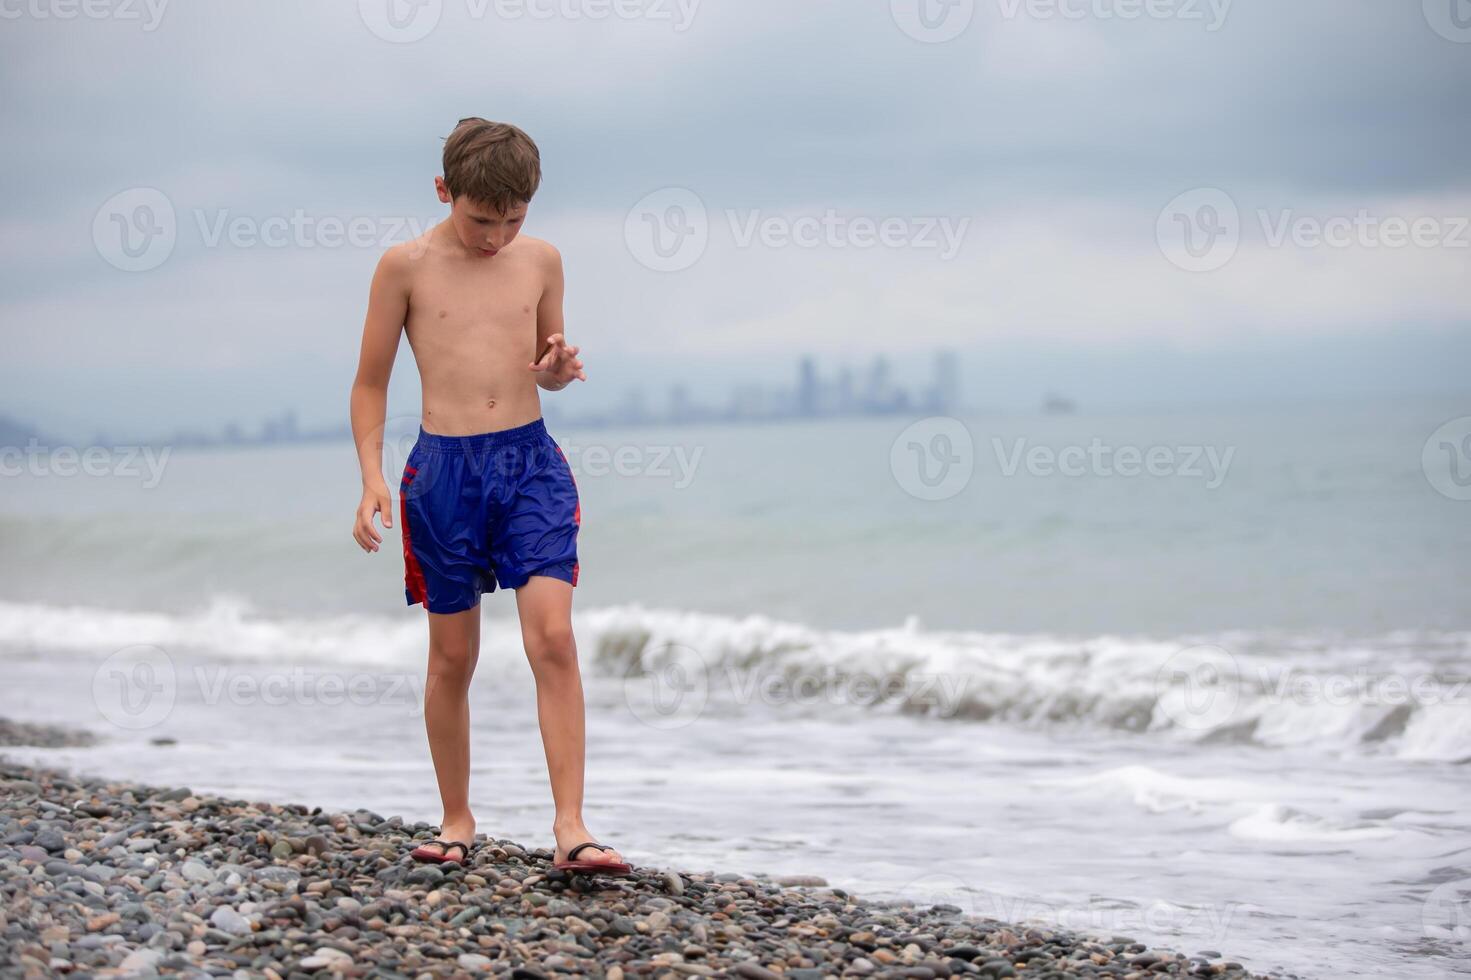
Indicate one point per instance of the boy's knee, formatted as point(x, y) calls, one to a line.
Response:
point(452, 661)
point(551, 644)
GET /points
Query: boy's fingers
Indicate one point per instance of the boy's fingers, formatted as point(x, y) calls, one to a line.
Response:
point(386, 508)
point(365, 532)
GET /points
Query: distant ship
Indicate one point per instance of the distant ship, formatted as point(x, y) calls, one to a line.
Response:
point(1058, 405)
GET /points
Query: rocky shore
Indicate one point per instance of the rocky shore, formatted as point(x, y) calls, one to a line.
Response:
point(104, 878)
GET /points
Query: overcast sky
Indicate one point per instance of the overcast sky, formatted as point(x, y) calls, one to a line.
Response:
point(1138, 201)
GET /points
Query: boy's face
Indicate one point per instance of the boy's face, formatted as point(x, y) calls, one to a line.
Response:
point(482, 229)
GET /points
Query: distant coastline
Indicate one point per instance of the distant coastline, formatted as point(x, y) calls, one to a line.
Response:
point(845, 395)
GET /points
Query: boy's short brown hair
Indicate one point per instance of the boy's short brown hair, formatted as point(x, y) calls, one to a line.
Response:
point(491, 163)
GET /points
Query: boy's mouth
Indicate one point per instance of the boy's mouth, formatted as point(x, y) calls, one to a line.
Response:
point(489, 251)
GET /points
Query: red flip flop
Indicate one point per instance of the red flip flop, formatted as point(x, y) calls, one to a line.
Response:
point(572, 866)
point(424, 853)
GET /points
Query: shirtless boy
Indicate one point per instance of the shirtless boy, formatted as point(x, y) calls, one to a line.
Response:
point(487, 497)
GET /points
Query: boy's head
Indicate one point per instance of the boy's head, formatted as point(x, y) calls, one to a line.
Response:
point(491, 172)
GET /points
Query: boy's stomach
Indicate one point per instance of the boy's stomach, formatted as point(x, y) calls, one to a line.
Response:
point(467, 414)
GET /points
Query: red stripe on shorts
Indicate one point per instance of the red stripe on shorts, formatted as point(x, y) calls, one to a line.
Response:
point(413, 574)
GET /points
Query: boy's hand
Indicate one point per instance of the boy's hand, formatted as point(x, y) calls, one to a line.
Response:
point(558, 364)
point(375, 501)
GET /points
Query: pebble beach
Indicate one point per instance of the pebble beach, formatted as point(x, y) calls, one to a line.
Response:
point(105, 878)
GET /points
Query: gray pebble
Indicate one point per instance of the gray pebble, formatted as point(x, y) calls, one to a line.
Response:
point(50, 840)
point(226, 919)
point(196, 871)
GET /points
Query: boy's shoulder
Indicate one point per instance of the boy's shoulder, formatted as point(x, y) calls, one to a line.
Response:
point(540, 249)
point(398, 259)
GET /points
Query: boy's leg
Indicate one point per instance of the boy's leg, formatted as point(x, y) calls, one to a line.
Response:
point(454, 648)
point(545, 606)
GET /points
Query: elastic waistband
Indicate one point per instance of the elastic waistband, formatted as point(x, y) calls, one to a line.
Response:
point(530, 432)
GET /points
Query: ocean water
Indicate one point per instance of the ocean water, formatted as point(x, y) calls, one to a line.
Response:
point(1217, 703)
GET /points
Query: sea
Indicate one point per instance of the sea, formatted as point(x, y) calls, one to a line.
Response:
point(1195, 677)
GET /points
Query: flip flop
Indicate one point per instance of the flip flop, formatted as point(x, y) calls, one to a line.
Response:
point(423, 853)
point(573, 866)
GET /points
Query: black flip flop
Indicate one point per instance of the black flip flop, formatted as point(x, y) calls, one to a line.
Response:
point(423, 853)
point(573, 866)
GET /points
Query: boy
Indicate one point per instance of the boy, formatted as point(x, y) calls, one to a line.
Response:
point(487, 497)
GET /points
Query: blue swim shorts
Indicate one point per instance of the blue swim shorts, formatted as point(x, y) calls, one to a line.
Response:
point(484, 511)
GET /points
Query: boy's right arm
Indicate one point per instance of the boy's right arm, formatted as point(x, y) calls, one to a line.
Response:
point(388, 307)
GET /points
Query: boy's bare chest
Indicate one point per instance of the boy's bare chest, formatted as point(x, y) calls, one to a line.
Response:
point(451, 305)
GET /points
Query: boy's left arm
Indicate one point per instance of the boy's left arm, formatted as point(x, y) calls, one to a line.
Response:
point(557, 365)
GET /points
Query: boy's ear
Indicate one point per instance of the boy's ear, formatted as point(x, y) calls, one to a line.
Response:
point(442, 190)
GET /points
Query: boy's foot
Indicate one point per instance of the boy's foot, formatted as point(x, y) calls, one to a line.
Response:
point(578, 851)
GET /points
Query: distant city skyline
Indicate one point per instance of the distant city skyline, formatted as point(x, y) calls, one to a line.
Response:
point(811, 396)
point(997, 379)
point(1005, 380)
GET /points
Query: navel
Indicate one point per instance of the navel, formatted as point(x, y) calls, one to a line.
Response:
point(443, 314)
point(490, 403)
